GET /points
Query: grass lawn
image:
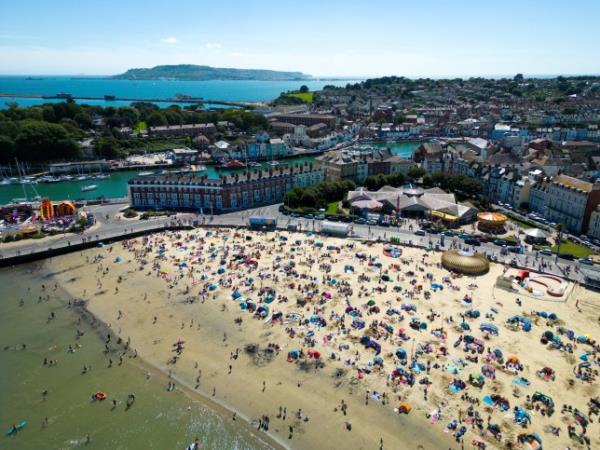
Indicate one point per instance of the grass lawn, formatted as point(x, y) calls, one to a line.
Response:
point(522, 224)
point(332, 208)
point(577, 250)
point(306, 97)
point(140, 126)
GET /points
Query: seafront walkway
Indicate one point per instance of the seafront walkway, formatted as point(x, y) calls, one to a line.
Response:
point(110, 228)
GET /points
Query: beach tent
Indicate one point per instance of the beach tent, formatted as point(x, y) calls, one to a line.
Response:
point(404, 408)
point(401, 353)
point(212, 287)
point(531, 441)
point(489, 328)
point(545, 399)
point(236, 294)
point(477, 380)
point(118, 259)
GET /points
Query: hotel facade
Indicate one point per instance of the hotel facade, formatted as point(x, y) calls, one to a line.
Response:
point(228, 193)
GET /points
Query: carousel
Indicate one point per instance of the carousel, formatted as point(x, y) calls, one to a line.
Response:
point(465, 262)
point(491, 222)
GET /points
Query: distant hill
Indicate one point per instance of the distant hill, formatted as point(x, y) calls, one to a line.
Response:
point(199, 73)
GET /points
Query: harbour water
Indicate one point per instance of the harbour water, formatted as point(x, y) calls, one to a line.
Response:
point(247, 91)
point(157, 420)
point(116, 185)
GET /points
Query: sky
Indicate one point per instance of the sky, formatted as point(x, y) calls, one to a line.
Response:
point(350, 38)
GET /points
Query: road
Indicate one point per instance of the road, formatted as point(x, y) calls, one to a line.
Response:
point(108, 226)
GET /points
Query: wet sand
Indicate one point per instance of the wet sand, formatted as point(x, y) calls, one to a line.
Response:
point(65, 415)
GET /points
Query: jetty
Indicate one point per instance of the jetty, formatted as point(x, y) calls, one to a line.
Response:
point(111, 98)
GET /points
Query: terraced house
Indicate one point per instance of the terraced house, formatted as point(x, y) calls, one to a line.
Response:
point(571, 201)
point(228, 193)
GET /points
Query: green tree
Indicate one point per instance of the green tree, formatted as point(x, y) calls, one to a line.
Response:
point(156, 119)
point(416, 172)
point(42, 141)
point(107, 147)
point(7, 149)
point(304, 88)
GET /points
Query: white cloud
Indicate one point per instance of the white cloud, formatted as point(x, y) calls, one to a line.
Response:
point(212, 46)
point(170, 40)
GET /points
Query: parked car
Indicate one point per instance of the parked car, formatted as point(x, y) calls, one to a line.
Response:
point(384, 224)
point(346, 219)
point(360, 221)
point(500, 242)
point(464, 236)
point(294, 214)
point(320, 217)
point(566, 256)
point(473, 241)
point(371, 222)
point(420, 232)
point(586, 261)
point(309, 216)
point(546, 252)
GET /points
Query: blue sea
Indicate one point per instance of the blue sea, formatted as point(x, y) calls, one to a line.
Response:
point(247, 91)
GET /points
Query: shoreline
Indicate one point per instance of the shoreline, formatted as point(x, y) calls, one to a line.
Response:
point(214, 405)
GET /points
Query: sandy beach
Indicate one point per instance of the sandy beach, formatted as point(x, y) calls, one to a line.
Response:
point(320, 341)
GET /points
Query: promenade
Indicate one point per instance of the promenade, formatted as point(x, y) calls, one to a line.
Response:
point(110, 228)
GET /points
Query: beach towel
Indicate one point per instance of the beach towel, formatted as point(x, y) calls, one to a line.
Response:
point(453, 369)
point(520, 381)
point(488, 400)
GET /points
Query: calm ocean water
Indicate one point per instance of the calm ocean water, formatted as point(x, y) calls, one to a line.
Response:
point(98, 87)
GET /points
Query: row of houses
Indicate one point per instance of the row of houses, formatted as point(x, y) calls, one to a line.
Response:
point(357, 163)
point(227, 193)
point(557, 197)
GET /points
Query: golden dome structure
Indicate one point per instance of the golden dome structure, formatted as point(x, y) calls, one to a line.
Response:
point(465, 262)
point(491, 221)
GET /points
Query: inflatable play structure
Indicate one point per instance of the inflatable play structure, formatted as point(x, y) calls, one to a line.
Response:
point(554, 286)
point(49, 210)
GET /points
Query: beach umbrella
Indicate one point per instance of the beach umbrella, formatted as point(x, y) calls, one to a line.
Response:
point(236, 294)
point(118, 259)
point(371, 302)
point(212, 287)
point(220, 270)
